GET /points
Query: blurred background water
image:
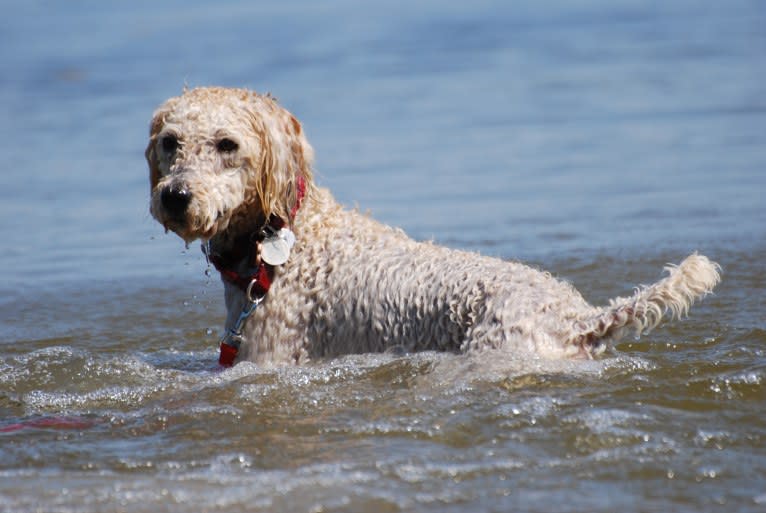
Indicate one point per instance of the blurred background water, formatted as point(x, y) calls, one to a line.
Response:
point(596, 139)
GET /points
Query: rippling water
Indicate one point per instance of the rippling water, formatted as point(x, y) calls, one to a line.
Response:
point(598, 140)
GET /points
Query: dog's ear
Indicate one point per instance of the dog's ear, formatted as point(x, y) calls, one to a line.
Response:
point(285, 156)
point(155, 127)
point(301, 158)
point(158, 120)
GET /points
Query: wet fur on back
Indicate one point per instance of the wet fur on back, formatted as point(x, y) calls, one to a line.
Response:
point(222, 161)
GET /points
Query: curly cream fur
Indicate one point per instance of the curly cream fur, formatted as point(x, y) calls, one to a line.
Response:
point(354, 285)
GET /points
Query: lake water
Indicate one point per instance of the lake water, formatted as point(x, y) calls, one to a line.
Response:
point(595, 139)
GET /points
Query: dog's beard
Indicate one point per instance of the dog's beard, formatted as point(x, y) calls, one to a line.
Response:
point(210, 210)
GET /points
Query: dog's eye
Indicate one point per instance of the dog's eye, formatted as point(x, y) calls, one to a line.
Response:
point(169, 144)
point(227, 146)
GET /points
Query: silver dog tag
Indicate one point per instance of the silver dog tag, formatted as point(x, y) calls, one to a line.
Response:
point(275, 249)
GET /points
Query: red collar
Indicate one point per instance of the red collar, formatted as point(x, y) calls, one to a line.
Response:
point(261, 275)
point(246, 247)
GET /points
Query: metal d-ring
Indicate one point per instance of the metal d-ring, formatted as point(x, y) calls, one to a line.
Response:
point(254, 301)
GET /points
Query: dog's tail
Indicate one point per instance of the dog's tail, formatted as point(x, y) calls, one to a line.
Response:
point(694, 278)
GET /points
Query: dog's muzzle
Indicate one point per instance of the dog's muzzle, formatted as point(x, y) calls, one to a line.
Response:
point(175, 201)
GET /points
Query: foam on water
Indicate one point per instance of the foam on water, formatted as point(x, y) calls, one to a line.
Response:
point(66, 380)
point(389, 401)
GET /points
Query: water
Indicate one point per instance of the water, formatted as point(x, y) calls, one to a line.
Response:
point(596, 139)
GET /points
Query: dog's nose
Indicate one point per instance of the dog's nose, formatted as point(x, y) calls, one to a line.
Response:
point(175, 200)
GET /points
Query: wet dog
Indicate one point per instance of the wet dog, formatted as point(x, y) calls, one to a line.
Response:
point(305, 278)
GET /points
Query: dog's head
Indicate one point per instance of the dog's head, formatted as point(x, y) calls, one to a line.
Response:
point(222, 160)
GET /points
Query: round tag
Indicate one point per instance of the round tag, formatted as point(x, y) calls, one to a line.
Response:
point(289, 237)
point(275, 250)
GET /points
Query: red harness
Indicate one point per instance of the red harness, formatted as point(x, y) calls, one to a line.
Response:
point(257, 283)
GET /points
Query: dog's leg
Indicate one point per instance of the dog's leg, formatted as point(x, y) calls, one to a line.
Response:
point(694, 278)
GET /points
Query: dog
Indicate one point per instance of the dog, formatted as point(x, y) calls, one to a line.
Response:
point(306, 279)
